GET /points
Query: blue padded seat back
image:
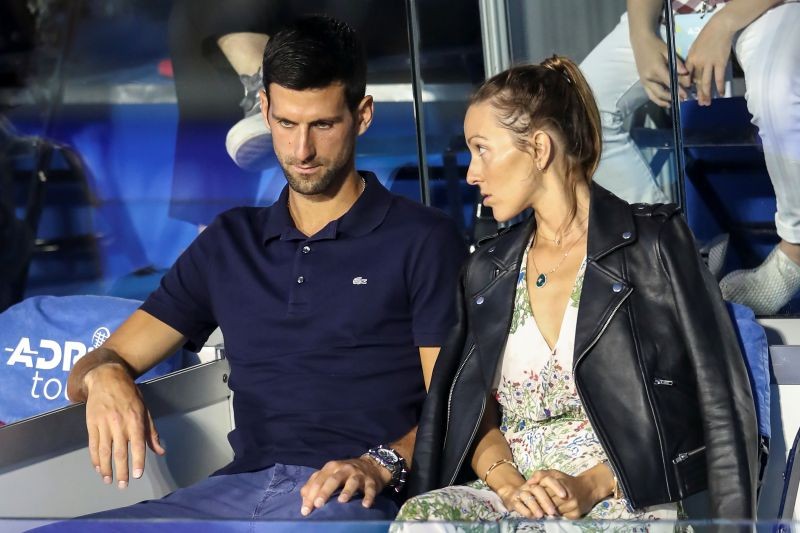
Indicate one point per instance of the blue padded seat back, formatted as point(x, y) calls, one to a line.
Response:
point(42, 337)
point(755, 348)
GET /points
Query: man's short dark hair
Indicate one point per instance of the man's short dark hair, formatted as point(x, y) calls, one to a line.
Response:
point(314, 52)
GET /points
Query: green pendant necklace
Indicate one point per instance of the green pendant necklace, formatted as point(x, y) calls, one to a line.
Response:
point(541, 279)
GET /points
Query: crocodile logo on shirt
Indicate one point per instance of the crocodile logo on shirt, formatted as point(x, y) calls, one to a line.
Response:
point(359, 281)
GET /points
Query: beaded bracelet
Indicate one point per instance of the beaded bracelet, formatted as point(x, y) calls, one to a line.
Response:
point(495, 465)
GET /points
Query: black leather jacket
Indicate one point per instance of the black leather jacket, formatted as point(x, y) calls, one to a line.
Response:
point(657, 364)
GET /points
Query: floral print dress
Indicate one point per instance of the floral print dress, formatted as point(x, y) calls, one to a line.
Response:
point(542, 419)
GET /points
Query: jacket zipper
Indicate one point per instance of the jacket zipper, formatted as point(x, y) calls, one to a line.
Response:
point(452, 388)
point(681, 457)
point(656, 422)
point(667, 382)
point(469, 442)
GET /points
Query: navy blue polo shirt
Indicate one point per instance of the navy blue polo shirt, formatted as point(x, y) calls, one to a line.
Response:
point(321, 332)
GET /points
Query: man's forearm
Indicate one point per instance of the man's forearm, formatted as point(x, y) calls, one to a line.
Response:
point(405, 445)
point(76, 383)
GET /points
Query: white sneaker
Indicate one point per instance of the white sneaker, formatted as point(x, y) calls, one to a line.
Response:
point(766, 288)
point(249, 143)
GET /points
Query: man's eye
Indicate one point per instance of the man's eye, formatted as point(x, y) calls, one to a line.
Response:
point(480, 149)
point(285, 124)
point(324, 125)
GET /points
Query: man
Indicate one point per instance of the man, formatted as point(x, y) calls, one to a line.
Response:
point(330, 301)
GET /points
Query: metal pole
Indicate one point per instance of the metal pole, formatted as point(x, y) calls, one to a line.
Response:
point(416, 87)
point(677, 134)
point(494, 30)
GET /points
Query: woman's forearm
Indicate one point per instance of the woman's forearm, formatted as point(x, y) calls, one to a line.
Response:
point(491, 447)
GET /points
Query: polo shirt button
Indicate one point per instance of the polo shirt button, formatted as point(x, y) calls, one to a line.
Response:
point(626, 235)
point(479, 300)
point(306, 249)
point(301, 279)
point(617, 287)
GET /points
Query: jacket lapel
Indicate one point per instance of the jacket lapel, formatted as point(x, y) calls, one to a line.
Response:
point(492, 280)
point(492, 283)
point(605, 287)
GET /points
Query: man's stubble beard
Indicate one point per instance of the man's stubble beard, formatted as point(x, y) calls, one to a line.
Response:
point(334, 174)
point(312, 185)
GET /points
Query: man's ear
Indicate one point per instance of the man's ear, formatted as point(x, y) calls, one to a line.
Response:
point(365, 113)
point(542, 144)
point(264, 98)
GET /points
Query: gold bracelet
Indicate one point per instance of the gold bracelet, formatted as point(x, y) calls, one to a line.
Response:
point(616, 492)
point(495, 465)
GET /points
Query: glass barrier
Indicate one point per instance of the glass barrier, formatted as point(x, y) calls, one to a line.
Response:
point(118, 121)
point(638, 162)
point(732, 164)
point(448, 66)
point(740, 146)
point(115, 156)
point(506, 526)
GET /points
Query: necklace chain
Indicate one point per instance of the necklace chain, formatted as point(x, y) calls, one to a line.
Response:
point(556, 239)
point(541, 279)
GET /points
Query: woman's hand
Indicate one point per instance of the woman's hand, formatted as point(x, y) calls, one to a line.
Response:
point(571, 496)
point(527, 500)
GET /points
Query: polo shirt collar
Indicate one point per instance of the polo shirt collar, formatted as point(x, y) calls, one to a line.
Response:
point(365, 215)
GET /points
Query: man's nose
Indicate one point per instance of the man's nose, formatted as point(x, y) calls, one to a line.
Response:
point(304, 147)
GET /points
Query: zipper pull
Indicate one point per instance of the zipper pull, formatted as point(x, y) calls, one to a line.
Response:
point(667, 382)
point(681, 457)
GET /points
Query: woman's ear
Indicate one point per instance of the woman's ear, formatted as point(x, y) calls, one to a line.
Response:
point(542, 145)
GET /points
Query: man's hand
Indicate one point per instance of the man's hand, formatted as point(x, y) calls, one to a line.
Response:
point(351, 475)
point(116, 416)
point(708, 57)
point(650, 54)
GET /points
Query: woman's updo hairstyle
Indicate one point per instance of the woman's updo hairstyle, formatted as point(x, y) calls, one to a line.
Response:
point(553, 96)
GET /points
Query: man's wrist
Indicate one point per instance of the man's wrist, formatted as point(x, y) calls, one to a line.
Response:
point(83, 373)
point(383, 472)
point(392, 462)
point(91, 375)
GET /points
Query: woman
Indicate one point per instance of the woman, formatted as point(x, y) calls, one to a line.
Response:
point(595, 372)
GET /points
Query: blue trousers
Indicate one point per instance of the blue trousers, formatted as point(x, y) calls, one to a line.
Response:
point(239, 502)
